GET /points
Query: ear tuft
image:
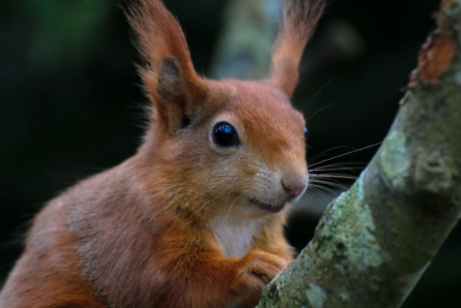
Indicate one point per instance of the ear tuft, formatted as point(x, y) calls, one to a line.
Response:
point(169, 76)
point(298, 23)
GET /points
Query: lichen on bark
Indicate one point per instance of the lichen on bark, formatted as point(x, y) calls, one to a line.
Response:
point(375, 241)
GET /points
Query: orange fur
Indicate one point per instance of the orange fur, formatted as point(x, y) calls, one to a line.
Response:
point(184, 222)
point(299, 20)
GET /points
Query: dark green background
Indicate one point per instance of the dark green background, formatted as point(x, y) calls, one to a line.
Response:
point(71, 104)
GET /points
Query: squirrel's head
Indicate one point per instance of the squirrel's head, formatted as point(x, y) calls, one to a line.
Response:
point(231, 146)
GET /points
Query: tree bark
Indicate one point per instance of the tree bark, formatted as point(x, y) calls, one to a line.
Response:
point(376, 240)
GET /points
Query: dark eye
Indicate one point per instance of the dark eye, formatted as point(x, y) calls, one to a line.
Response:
point(305, 133)
point(225, 135)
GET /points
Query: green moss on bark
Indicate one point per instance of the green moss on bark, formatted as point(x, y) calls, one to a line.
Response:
point(376, 240)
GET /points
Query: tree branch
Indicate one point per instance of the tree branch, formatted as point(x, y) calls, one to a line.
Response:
point(375, 241)
point(244, 50)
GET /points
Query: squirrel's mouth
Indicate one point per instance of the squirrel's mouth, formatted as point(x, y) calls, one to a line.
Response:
point(273, 208)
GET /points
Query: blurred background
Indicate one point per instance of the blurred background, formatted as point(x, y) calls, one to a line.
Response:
point(71, 102)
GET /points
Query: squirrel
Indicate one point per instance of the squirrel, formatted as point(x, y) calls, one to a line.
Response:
point(195, 218)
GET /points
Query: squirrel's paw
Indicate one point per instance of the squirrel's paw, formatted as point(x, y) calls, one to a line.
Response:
point(260, 268)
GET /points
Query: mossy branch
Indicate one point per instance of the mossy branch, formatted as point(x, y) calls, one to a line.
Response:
point(375, 241)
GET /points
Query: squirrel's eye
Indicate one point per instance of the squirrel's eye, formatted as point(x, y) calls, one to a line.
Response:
point(225, 135)
point(305, 133)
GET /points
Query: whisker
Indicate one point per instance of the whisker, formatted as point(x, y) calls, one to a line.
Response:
point(328, 189)
point(227, 215)
point(329, 183)
point(334, 176)
point(318, 111)
point(320, 90)
point(352, 169)
point(329, 180)
point(348, 153)
point(318, 192)
point(326, 151)
point(344, 165)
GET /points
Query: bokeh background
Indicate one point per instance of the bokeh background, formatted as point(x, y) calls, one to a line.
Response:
point(71, 101)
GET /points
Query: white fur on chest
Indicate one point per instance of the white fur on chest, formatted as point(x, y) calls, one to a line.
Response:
point(235, 234)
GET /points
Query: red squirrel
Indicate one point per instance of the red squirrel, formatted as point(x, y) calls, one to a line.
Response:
point(195, 218)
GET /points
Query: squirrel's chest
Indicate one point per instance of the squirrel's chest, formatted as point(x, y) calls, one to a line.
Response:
point(235, 235)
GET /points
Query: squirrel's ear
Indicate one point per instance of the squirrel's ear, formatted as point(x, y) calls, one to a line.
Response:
point(298, 23)
point(169, 76)
point(173, 97)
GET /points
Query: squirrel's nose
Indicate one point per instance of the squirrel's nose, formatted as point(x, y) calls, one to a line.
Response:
point(294, 185)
